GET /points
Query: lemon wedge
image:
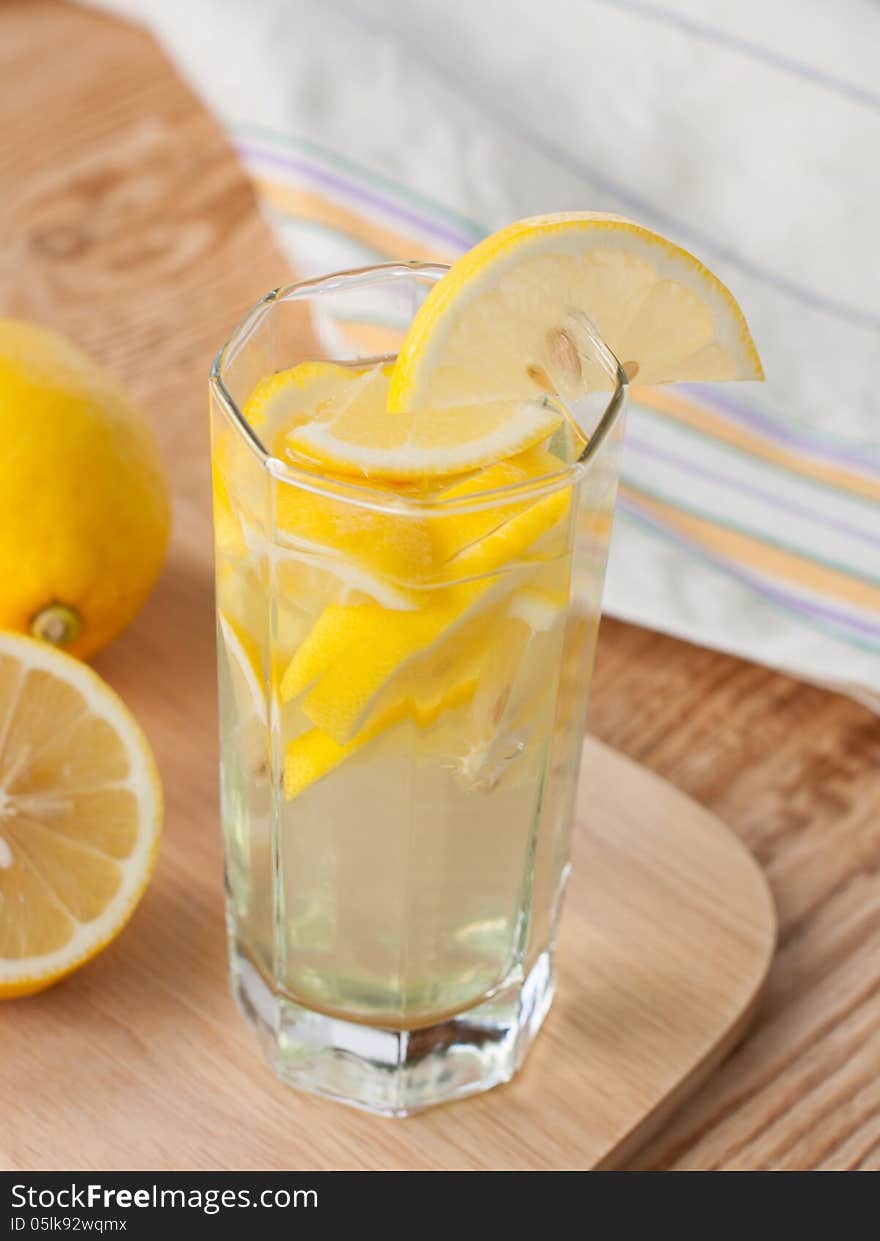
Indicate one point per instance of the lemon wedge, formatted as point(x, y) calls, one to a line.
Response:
point(478, 663)
point(353, 655)
point(508, 319)
point(80, 814)
point(314, 753)
point(444, 679)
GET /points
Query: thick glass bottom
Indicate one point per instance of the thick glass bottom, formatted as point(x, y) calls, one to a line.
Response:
point(396, 1072)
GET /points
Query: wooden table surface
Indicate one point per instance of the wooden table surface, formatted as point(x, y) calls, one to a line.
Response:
point(116, 194)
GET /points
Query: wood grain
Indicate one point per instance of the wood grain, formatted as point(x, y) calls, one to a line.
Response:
point(142, 1061)
point(125, 222)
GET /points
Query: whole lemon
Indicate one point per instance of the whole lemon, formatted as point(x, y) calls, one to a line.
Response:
point(84, 509)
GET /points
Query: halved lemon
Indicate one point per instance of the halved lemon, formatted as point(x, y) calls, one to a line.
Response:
point(80, 814)
point(504, 322)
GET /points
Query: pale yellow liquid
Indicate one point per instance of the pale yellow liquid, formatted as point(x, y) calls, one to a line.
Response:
point(408, 878)
point(424, 871)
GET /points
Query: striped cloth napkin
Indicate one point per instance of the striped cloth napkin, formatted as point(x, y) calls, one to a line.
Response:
point(748, 515)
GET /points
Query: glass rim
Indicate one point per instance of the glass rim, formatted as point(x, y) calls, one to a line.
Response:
point(389, 501)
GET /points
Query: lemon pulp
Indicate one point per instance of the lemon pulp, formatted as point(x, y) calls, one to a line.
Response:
point(80, 813)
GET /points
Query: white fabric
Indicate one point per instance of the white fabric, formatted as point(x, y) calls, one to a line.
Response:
point(750, 133)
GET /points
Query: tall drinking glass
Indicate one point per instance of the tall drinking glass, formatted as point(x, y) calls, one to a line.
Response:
point(403, 684)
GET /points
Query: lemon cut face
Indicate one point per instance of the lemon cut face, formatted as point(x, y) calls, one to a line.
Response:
point(80, 814)
point(338, 418)
point(504, 322)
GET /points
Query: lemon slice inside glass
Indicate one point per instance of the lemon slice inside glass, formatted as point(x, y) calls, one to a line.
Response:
point(354, 432)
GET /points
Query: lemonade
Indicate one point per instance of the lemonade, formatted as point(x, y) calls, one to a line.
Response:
point(410, 551)
point(413, 724)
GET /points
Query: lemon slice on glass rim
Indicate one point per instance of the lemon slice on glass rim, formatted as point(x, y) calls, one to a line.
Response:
point(502, 344)
point(509, 328)
point(80, 814)
point(508, 318)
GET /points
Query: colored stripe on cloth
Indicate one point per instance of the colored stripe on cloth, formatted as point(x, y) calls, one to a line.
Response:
point(782, 510)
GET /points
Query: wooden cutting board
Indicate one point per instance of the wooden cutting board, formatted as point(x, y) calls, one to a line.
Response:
point(142, 1061)
point(130, 227)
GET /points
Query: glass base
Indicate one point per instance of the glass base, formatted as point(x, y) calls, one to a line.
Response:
point(396, 1072)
